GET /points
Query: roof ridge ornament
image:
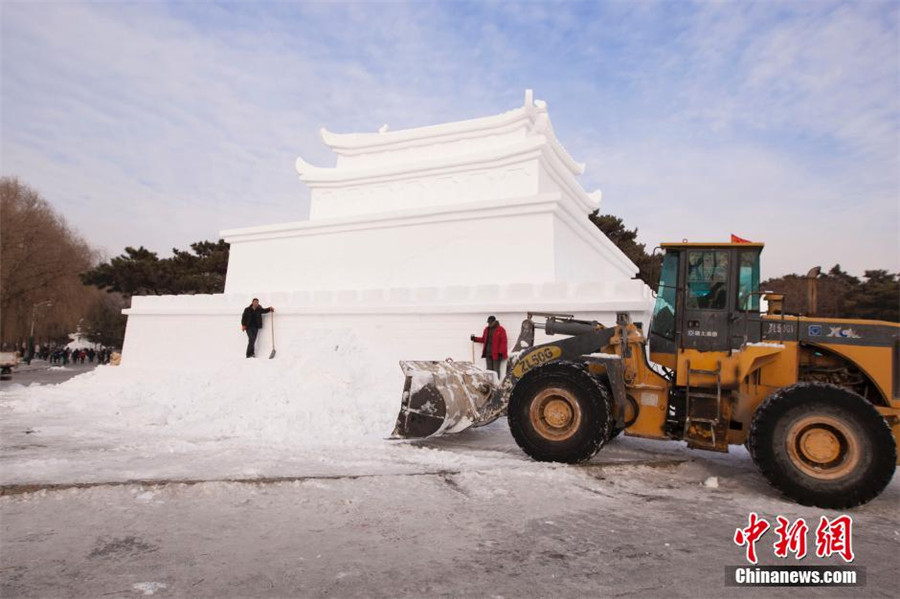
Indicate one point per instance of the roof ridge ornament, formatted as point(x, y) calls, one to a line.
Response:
point(533, 106)
point(303, 166)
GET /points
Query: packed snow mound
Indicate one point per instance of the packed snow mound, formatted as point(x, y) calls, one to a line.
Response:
point(324, 387)
point(79, 341)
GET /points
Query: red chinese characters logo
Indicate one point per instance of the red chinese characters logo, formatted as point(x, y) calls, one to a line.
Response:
point(791, 539)
point(750, 535)
point(835, 537)
point(832, 537)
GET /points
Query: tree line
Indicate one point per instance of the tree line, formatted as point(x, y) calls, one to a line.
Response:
point(142, 272)
point(875, 296)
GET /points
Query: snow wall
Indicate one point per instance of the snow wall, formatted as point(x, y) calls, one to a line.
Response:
point(411, 324)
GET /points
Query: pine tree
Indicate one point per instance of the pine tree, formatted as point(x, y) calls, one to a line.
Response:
point(626, 240)
point(142, 272)
point(877, 298)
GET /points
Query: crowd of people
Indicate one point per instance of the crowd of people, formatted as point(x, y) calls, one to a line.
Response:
point(64, 355)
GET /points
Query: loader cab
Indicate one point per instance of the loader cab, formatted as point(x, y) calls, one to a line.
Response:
point(707, 300)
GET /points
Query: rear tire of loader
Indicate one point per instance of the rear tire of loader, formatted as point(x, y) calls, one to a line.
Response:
point(560, 413)
point(822, 445)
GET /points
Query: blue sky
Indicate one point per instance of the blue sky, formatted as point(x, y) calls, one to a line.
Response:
point(160, 124)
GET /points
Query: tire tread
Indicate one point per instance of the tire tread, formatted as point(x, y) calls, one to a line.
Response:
point(877, 429)
point(601, 411)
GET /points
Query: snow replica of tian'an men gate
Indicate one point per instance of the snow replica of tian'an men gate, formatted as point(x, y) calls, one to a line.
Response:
point(413, 239)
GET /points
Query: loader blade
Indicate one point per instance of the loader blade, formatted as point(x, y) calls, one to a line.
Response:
point(445, 397)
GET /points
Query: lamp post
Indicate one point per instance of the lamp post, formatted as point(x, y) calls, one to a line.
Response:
point(30, 353)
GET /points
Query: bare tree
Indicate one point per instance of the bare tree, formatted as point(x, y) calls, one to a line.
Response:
point(40, 259)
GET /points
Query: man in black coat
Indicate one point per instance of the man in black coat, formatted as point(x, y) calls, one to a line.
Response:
point(251, 321)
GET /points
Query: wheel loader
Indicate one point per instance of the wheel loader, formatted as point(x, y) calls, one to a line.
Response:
point(816, 401)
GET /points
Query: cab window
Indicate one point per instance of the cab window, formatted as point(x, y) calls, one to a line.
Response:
point(663, 322)
point(707, 280)
point(748, 282)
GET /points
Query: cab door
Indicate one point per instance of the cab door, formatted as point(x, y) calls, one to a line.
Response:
point(664, 324)
point(707, 295)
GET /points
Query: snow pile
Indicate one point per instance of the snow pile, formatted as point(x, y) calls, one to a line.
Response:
point(323, 388)
point(149, 588)
point(711, 482)
point(79, 341)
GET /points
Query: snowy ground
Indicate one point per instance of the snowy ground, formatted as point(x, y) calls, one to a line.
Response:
point(269, 478)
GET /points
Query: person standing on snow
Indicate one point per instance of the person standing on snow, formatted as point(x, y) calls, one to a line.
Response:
point(495, 344)
point(251, 322)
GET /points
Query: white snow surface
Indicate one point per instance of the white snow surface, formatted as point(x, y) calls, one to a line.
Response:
point(149, 588)
point(333, 394)
point(418, 380)
point(342, 503)
point(324, 406)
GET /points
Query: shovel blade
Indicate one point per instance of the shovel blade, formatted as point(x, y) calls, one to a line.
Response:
point(445, 397)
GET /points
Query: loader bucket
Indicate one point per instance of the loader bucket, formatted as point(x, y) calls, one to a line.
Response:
point(444, 397)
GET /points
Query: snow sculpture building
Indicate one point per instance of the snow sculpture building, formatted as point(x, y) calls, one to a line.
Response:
point(413, 238)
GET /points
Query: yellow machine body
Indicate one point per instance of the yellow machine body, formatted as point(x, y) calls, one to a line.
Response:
point(752, 371)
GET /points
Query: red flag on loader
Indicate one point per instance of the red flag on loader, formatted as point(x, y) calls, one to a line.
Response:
point(736, 239)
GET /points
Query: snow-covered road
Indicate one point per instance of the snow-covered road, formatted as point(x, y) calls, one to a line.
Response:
point(530, 531)
point(121, 484)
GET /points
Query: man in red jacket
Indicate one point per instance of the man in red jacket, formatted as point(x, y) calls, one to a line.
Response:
point(495, 344)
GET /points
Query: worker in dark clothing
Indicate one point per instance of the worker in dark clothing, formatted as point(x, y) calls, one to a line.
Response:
point(251, 322)
point(495, 344)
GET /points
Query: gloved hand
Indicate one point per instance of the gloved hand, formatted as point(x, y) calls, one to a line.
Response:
point(471, 337)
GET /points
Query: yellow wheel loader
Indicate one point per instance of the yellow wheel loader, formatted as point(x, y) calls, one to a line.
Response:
point(815, 400)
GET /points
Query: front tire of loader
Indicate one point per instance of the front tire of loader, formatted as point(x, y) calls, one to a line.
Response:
point(822, 445)
point(560, 413)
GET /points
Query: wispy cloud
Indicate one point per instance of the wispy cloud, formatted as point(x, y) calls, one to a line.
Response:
point(163, 123)
point(781, 122)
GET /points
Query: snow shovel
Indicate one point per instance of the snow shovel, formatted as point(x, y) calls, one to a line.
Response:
point(445, 397)
point(272, 355)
